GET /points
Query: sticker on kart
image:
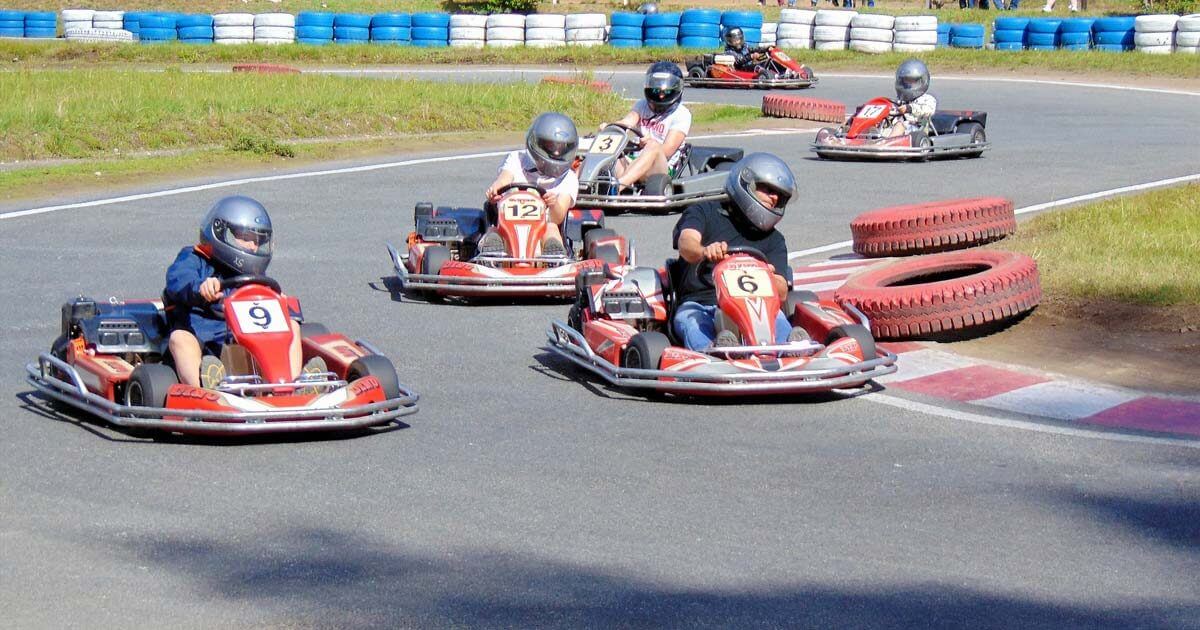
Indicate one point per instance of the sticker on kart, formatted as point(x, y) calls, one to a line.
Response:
point(260, 317)
point(606, 143)
point(521, 210)
point(748, 283)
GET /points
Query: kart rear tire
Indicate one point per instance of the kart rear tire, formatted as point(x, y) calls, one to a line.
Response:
point(381, 368)
point(645, 351)
point(978, 136)
point(609, 254)
point(593, 235)
point(148, 385)
point(796, 296)
point(657, 184)
point(857, 333)
point(697, 72)
point(312, 329)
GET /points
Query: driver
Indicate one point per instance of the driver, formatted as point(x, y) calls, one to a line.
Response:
point(664, 122)
point(550, 147)
point(235, 240)
point(758, 187)
point(744, 57)
point(914, 104)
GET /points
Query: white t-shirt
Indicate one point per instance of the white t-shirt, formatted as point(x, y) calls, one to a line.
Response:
point(921, 108)
point(524, 171)
point(657, 126)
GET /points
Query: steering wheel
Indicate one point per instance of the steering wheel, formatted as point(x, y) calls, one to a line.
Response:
point(237, 282)
point(633, 130)
point(704, 270)
point(541, 192)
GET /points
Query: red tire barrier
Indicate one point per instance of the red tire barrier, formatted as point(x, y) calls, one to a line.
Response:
point(937, 226)
point(917, 297)
point(821, 110)
point(598, 86)
point(269, 68)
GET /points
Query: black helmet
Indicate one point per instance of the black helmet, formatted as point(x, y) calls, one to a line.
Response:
point(735, 37)
point(664, 86)
point(237, 233)
point(760, 170)
point(552, 142)
point(912, 79)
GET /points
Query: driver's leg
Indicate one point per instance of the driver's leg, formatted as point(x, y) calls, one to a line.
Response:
point(649, 160)
point(295, 353)
point(694, 325)
point(185, 349)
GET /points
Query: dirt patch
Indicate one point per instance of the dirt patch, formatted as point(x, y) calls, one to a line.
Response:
point(1146, 348)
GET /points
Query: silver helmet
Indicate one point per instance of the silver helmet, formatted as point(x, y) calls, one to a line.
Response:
point(664, 86)
point(735, 37)
point(237, 233)
point(648, 9)
point(912, 80)
point(760, 171)
point(552, 142)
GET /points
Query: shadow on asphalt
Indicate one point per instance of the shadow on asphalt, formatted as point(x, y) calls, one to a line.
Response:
point(335, 578)
point(392, 285)
point(104, 430)
point(1170, 522)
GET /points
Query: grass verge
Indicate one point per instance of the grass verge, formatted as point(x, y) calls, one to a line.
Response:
point(43, 54)
point(1142, 250)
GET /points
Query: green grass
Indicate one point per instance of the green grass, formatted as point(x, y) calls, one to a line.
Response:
point(1142, 249)
point(48, 54)
point(89, 113)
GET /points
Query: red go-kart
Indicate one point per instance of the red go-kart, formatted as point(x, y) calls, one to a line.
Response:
point(950, 133)
point(619, 328)
point(110, 361)
point(776, 71)
point(443, 257)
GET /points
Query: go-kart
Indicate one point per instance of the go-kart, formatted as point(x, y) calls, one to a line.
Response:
point(619, 328)
point(776, 70)
point(443, 257)
point(112, 361)
point(702, 178)
point(950, 133)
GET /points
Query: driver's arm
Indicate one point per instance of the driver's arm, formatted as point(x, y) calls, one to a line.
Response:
point(692, 249)
point(503, 179)
point(558, 208)
point(674, 140)
point(781, 284)
point(632, 119)
point(184, 281)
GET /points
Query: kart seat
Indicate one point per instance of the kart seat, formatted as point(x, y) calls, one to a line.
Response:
point(703, 159)
point(945, 121)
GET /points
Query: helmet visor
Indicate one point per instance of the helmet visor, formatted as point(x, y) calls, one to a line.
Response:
point(251, 240)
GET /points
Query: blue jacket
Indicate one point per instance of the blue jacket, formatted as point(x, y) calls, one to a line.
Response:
point(190, 309)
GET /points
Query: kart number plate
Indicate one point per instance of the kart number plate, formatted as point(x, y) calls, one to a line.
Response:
point(746, 283)
point(255, 317)
point(871, 111)
point(517, 210)
point(783, 56)
point(606, 143)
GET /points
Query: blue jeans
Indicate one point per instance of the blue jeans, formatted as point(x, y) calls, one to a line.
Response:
point(694, 324)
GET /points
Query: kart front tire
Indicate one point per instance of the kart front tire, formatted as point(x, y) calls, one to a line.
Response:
point(148, 385)
point(856, 332)
point(645, 351)
point(431, 263)
point(696, 72)
point(381, 368)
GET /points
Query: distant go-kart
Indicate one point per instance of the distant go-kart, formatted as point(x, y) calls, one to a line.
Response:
point(620, 330)
point(112, 361)
point(443, 257)
point(776, 71)
point(703, 178)
point(950, 133)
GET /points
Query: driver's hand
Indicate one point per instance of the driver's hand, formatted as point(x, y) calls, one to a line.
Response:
point(210, 289)
point(492, 193)
point(903, 109)
point(716, 252)
point(550, 198)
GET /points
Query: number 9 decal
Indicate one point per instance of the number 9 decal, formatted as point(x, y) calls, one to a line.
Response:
point(255, 317)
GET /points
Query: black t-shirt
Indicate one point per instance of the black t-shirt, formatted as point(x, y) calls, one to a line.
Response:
point(714, 224)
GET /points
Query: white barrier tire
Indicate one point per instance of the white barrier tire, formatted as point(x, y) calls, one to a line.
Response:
point(507, 33)
point(916, 23)
point(827, 17)
point(233, 41)
point(505, 20)
point(109, 25)
point(464, 20)
point(545, 43)
point(797, 16)
point(899, 47)
point(545, 20)
point(838, 45)
point(274, 40)
point(1141, 40)
point(794, 43)
point(586, 21)
point(545, 34)
point(584, 43)
point(468, 33)
point(466, 43)
point(77, 15)
point(871, 34)
point(831, 34)
point(873, 20)
point(795, 31)
point(273, 32)
point(585, 34)
point(233, 19)
point(1188, 24)
point(233, 32)
point(108, 16)
point(275, 19)
point(915, 37)
point(1161, 23)
point(1187, 39)
point(870, 46)
point(1156, 50)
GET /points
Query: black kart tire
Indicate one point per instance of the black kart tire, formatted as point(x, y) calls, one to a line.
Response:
point(657, 184)
point(856, 332)
point(593, 235)
point(978, 136)
point(148, 385)
point(697, 72)
point(434, 258)
point(645, 351)
point(381, 368)
point(796, 296)
point(609, 254)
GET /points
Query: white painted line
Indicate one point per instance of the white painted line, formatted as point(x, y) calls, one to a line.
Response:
point(985, 79)
point(821, 286)
point(336, 171)
point(1061, 400)
point(1112, 192)
point(828, 273)
point(932, 410)
point(921, 363)
point(847, 261)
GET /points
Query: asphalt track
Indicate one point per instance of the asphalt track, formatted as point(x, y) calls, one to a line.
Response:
point(523, 494)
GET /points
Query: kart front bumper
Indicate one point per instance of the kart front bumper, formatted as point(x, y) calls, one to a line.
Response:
point(763, 84)
point(212, 423)
point(497, 286)
point(661, 203)
point(892, 153)
point(570, 344)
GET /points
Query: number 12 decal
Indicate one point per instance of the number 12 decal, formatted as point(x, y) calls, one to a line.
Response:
point(522, 211)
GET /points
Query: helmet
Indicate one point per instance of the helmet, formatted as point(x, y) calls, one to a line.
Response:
point(760, 170)
point(648, 9)
point(664, 86)
point(236, 232)
point(912, 79)
point(735, 37)
point(552, 141)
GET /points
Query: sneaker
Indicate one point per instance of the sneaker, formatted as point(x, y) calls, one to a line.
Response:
point(798, 335)
point(313, 367)
point(491, 245)
point(554, 248)
point(212, 372)
point(725, 339)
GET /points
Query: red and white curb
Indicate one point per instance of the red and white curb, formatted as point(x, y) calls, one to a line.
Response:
point(931, 372)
